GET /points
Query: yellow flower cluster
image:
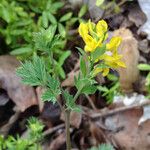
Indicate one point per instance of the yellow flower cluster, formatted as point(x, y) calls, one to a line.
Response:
point(94, 36)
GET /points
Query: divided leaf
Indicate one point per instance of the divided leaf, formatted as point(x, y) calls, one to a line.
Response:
point(86, 85)
point(48, 95)
point(44, 38)
point(90, 89)
point(70, 103)
point(53, 90)
point(33, 73)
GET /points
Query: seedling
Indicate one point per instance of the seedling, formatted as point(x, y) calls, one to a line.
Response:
point(97, 57)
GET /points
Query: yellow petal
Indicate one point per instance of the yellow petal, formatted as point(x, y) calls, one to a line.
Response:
point(90, 45)
point(101, 27)
point(114, 43)
point(97, 70)
point(121, 64)
point(83, 29)
point(91, 26)
point(105, 72)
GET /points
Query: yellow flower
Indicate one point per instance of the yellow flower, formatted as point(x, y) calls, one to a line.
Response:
point(93, 35)
point(114, 43)
point(101, 29)
point(104, 71)
point(111, 59)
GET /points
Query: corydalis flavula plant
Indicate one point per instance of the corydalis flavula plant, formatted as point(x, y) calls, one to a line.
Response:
point(95, 36)
point(28, 142)
point(99, 56)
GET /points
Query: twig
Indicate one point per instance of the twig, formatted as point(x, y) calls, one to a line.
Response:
point(67, 124)
point(91, 102)
point(51, 130)
point(5, 129)
point(117, 110)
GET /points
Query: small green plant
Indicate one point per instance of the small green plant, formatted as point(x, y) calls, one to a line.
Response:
point(79, 17)
point(19, 19)
point(112, 90)
point(111, 6)
point(32, 142)
point(146, 67)
point(103, 147)
point(96, 57)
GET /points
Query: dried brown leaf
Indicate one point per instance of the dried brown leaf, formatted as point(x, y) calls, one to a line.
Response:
point(75, 119)
point(57, 142)
point(23, 96)
point(129, 50)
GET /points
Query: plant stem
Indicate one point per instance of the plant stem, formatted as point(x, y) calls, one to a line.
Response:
point(67, 122)
point(77, 95)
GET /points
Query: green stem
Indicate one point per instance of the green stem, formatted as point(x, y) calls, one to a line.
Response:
point(77, 95)
point(67, 122)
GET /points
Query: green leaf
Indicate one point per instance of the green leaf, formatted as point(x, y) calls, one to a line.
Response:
point(73, 21)
point(53, 90)
point(83, 66)
point(105, 147)
point(58, 43)
point(21, 50)
point(112, 77)
point(63, 57)
point(70, 104)
point(144, 67)
point(102, 88)
point(98, 52)
point(81, 51)
point(82, 11)
point(89, 89)
point(147, 80)
point(50, 32)
point(58, 5)
point(33, 73)
point(45, 19)
point(66, 17)
point(18, 32)
point(61, 72)
point(5, 14)
point(51, 18)
point(43, 39)
point(49, 96)
point(55, 6)
point(54, 86)
point(99, 2)
point(62, 30)
point(83, 84)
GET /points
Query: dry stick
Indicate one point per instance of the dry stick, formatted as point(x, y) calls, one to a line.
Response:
point(91, 102)
point(67, 123)
point(5, 129)
point(51, 130)
point(117, 110)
